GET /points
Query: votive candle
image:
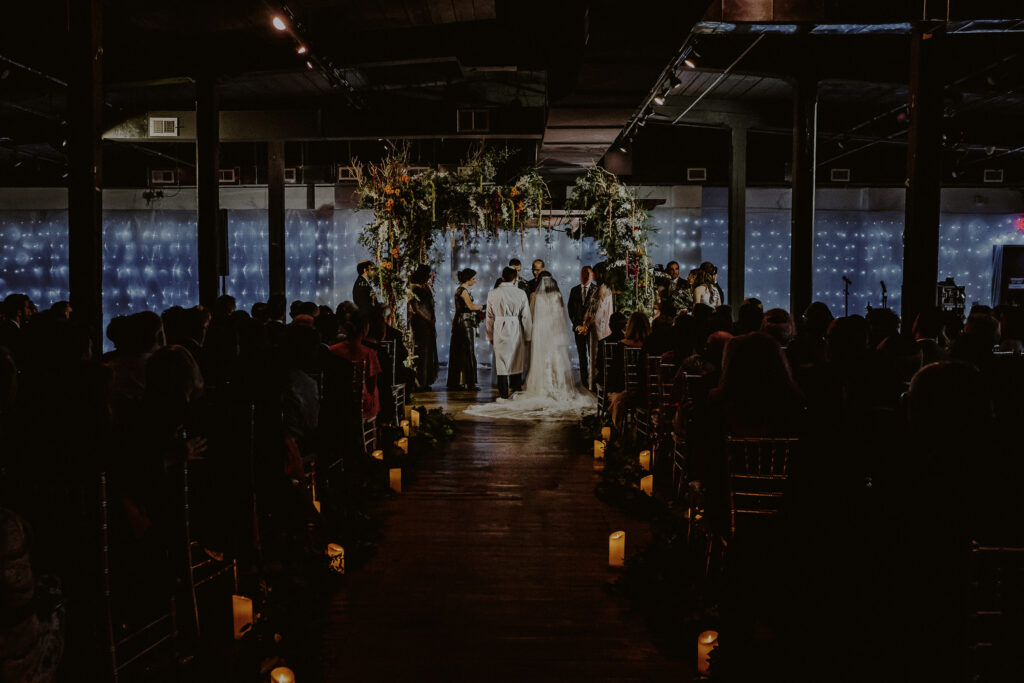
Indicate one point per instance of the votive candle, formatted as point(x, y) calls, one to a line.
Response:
point(617, 549)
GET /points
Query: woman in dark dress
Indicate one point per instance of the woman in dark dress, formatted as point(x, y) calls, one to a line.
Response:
point(422, 321)
point(462, 350)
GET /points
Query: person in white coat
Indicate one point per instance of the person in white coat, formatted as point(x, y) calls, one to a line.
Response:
point(509, 327)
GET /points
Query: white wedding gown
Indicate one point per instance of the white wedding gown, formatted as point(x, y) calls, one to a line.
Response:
point(552, 391)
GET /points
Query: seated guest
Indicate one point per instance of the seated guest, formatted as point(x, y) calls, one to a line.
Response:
point(979, 338)
point(927, 331)
point(808, 347)
point(749, 317)
point(1011, 325)
point(683, 342)
point(756, 390)
point(778, 324)
point(353, 350)
point(882, 324)
point(376, 335)
point(616, 323)
point(660, 339)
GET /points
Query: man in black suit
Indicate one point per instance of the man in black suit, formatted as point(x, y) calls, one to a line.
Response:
point(580, 297)
point(362, 291)
point(518, 265)
point(538, 268)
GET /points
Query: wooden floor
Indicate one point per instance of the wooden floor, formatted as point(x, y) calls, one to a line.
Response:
point(493, 567)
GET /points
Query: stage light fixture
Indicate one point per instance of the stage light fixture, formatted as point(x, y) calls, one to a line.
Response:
point(309, 65)
point(302, 50)
point(690, 63)
point(659, 99)
point(279, 23)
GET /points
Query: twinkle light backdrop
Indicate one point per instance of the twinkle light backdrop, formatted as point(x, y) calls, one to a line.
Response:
point(149, 256)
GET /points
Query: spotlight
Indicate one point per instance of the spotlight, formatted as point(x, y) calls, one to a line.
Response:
point(659, 100)
point(622, 148)
point(278, 23)
point(302, 50)
point(309, 64)
point(690, 63)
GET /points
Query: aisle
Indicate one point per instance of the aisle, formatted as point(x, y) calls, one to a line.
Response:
point(492, 567)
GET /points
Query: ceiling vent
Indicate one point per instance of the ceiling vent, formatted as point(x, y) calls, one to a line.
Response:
point(291, 175)
point(163, 176)
point(346, 174)
point(993, 175)
point(697, 175)
point(840, 175)
point(228, 176)
point(473, 121)
point(163, 126)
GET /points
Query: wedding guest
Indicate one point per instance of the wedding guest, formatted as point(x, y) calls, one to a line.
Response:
point(927, 330)
point(509, 327)
point(537, 269)
point(1011, 323)
point(353, 350)
point(362, 290)
point(520, 283)
point(705, 290)
point(423, 322)
point(579, 301)
point(712, 269)
point(672, 272)
point(778, 323)
point(749, 318)
point(462, 349)
point(595, 322)
point(16, 310)
point(808, 346)
point(636, 333)
point(660, 339)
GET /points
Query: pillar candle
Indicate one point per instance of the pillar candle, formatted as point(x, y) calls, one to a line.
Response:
point(645, 460)
point(414, 419)
point(617, 549)
point(336, 555)
point(599, 449)
point(395, 477)
point(706, 642)
point(405, 427)
point(647, 484)
point(606, 433)
point(241, 606)
point(403, 443)
point(282, 674)
point(377, 455)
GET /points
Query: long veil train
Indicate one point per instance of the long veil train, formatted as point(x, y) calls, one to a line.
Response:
point(552, 391)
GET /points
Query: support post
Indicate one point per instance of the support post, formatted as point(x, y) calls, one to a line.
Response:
point(85, 173)
point(275, 215)
point(924, 182)
point(737, 217)
point(805, 138)
point(208, 186)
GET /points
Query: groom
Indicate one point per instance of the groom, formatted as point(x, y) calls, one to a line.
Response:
point(509, 327)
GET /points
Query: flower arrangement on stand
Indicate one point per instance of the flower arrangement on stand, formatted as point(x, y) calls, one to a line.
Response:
point(619, 223)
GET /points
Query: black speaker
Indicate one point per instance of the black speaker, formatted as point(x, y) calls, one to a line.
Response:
point(1008, 275)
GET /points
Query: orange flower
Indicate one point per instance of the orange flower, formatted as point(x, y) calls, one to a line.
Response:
point(405, 177)
point(389, 204)
point(520, 206)
point(386, 265)
point(394, 252)
point(388, 189)
point(514, 193)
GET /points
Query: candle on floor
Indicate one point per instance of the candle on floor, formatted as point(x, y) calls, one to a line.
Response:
point(336, 558)
point(617, 549)
point(405, 427)
point(377, 455)
point(606, 433)
point(414, 419)
point(395, 479)
point(706, 642)
point(241, 606)
point(599, 449)
point(403, 443)
point(645, 460)
point(282, 674)
point(647, 484)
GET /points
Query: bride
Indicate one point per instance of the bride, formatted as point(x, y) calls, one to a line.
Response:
point(551, 391)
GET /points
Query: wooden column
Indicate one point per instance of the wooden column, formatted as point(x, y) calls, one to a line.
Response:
point(805, 133)
point(275, 215)
point(208, 186)
point(737, 217)
point(85, 175)
point(924, 161)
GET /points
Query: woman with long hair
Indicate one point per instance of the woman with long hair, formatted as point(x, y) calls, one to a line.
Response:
point(704, 289)
point(423, 323)
point(462, 349)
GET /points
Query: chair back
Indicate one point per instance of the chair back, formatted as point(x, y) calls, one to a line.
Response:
point(758, 473)
point(666, 376)
point(995, 619)
point(635, 370)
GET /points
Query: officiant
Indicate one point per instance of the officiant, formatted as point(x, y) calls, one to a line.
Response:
point(509, 327)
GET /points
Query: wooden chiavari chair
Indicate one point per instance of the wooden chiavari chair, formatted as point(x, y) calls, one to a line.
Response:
point(758, 473)
point(606, 358)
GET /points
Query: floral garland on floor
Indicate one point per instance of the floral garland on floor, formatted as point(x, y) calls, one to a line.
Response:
point(620, 225)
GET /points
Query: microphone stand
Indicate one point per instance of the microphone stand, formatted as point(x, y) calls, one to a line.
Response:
point(885, 295)
point(846, 296)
